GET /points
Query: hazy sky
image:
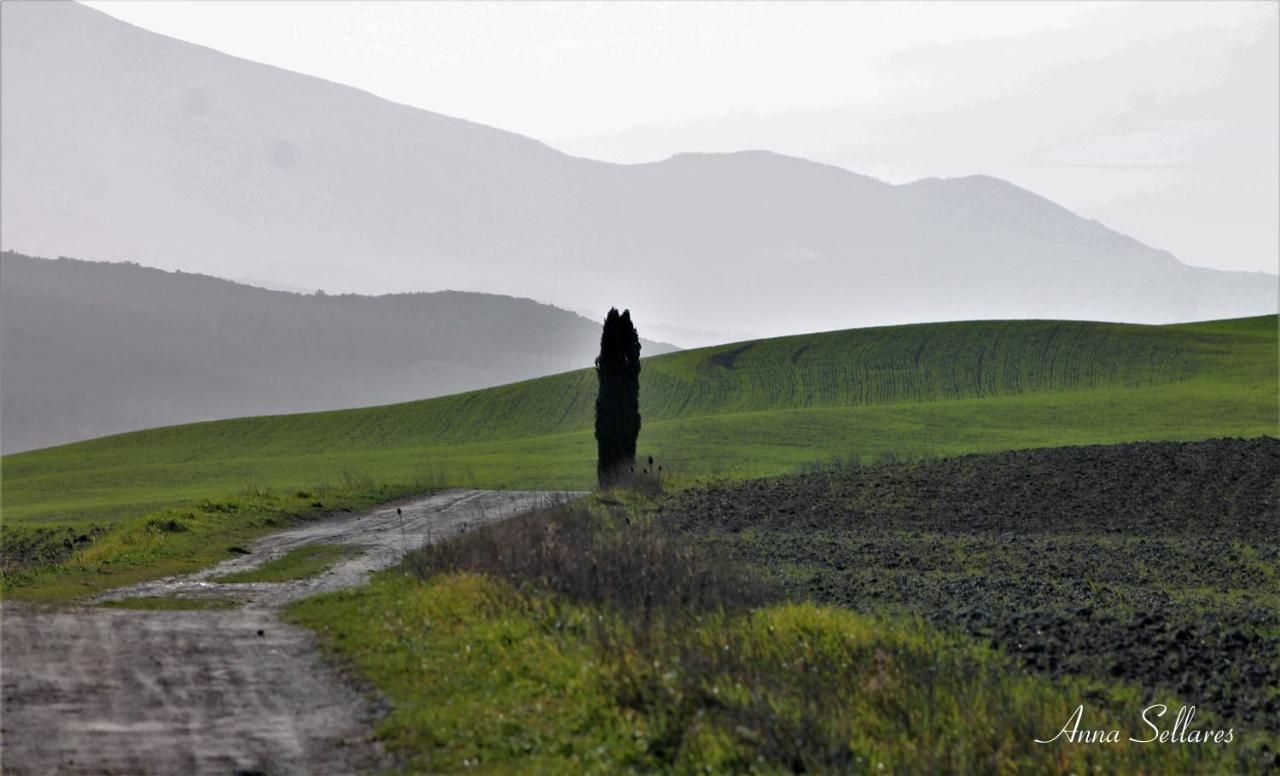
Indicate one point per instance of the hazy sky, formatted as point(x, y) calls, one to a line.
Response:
point(1161, 120)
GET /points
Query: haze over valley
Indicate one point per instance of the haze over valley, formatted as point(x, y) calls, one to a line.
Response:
point(124, 145)
point(92, 348)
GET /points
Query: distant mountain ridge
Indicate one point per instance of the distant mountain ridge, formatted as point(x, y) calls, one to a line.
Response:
point(122, 144)
point(93, 348)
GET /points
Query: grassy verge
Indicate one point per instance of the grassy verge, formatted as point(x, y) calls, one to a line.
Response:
point(302, 563)
point(481, 677)
point(586, 640)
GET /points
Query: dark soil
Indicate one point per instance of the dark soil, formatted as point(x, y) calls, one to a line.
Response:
point(1153, 563)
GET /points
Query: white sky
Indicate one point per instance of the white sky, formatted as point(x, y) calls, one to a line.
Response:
point(1160, 119)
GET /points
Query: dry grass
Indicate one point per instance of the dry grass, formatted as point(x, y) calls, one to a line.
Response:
point(621, 564)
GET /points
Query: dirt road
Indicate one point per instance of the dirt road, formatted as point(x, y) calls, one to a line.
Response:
point(93, 690)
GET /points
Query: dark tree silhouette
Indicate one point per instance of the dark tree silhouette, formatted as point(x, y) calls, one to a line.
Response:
point(618, 402)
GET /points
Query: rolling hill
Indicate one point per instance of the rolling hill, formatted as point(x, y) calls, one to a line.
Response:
point(93, 348)
point(126, 145)
point(746, 409)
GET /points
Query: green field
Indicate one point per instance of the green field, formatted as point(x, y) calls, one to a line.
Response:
point(756, 408)
point(747, 409)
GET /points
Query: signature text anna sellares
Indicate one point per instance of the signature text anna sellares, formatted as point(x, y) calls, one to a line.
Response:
point(1157, 729)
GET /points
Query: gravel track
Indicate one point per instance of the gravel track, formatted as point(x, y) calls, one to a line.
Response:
point(116, 691)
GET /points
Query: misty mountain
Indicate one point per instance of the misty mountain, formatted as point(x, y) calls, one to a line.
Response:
point(122, 144)
point(93, 348)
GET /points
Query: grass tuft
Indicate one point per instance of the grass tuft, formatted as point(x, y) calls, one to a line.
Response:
point(170, 603)
point(305, 562)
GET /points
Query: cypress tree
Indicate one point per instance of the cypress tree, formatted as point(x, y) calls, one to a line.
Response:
point(618, 399)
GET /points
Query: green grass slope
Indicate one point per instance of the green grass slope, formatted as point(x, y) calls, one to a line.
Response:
point(753, 408)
